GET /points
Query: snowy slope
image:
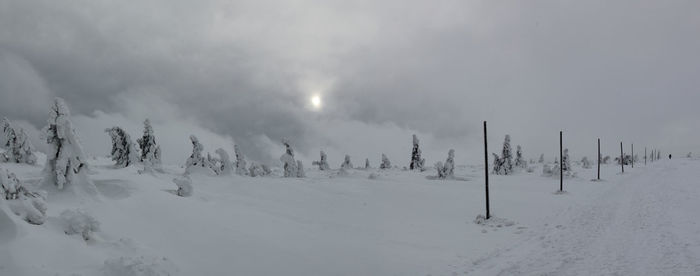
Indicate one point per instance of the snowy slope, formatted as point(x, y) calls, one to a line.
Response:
point(401, 223)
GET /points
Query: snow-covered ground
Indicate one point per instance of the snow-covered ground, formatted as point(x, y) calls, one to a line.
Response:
point(643, 222)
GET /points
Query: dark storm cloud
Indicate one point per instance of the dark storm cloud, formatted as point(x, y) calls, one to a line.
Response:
point(621, 70)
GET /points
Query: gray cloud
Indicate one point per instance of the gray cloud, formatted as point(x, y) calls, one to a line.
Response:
point(621, 71)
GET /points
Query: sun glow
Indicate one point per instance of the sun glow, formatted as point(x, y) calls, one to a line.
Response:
point(316, 101)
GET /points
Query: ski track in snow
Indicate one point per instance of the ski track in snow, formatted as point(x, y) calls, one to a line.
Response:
point(645, 225)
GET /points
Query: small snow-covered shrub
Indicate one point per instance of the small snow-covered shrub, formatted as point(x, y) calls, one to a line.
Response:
point(386, 164)
point(138, 266)
point(585, 163)
point(367, 166)
point(323, 163)
point(19, 148)
point(373, 176)
point(184, 186)
point(447, 169)
point(79, 222)
point(30, 206)
point(347, 164)
point(259, 170)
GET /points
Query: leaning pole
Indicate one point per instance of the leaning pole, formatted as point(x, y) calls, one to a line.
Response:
point(561, 163)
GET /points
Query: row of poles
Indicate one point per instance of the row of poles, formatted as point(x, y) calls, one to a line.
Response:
point(561, 164)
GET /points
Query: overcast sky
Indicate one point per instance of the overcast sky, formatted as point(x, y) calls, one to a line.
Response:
point(244, 72)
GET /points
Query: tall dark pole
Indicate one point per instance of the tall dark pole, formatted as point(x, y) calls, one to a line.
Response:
point(633, 155)
point(486, 171)
point(598, 159)
point(645, 156)
point(622, 159)
point(561, 163)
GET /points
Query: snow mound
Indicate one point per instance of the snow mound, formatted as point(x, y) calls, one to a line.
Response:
point(139, 266)
point(184, 185)
point(79, 222)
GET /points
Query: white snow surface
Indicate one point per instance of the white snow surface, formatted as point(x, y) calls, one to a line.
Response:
point(643, 222)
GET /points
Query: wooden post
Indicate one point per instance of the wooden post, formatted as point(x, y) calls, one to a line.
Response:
point(561, 163)
point(486, 171)
point(598, 159)
point(622, 159)
point(633, 155)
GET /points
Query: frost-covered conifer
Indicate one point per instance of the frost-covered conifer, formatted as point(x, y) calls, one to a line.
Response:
point(658, 155)
point(196, 159)
point(30, 206)
point(386, 164)
point(225, 167)
point(240, 161)
point(289, 164)
point(323, 163)
point(498, 165)
point(519, 160)
point(446, 170)
point(300, 169)
point(416, 161)
point(367, 163)
point(5, 128)
point(541, 160)
point(347, 164)
point(123, 150)
point(585, 163)
point(19, 148)
point(507, 156)
point(150, 151)
point(566, 162)
point(66, 165)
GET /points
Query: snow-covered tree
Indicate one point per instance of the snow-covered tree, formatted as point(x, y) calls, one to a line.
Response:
point(240, 161)
point(225, 167)
point(585, 163)
point(289, 164)
point(556, 160)
point(347, 164)
point(416, 161)
point(323, 163)
point(123, 150)
point(447, 169)
point(566, 162)
point(66, 165)
point(196, 159)
point(519, 159)
point(658, 155)
point(507, 156)
point(498, 165)
point(30, 206)
point(367, 166)
point(19, 148)
point(606, 160)
point(259, 170)
point(541, 160)
point(150, 151)
point(5, 128)
point(386, 164)
point(300, 169)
